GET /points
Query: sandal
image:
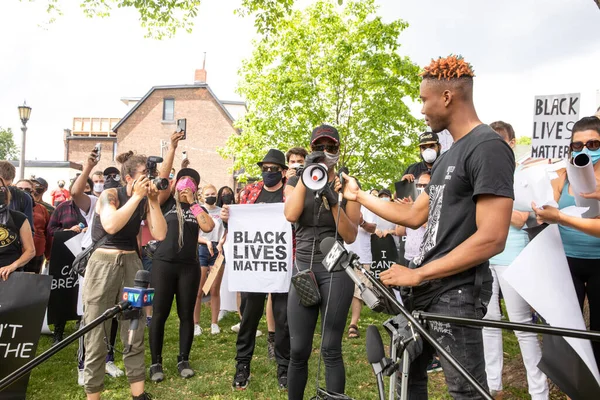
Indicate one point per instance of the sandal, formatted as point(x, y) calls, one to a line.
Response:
point(353, 332)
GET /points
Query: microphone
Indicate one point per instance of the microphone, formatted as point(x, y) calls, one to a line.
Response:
point(376, 357)
point(139, 296)
point(344, 170)
point(337, 258)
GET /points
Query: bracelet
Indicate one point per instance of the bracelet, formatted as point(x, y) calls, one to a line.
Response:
point(196, 209)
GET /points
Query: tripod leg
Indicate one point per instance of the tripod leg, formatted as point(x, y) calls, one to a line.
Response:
point(405, 368)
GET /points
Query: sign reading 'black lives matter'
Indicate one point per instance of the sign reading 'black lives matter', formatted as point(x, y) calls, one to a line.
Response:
point(258, 250)
point(553, 120)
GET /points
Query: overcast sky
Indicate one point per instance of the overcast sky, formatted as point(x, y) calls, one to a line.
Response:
point(79, 67)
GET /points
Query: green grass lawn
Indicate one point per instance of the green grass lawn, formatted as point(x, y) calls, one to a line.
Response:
point(212, 358)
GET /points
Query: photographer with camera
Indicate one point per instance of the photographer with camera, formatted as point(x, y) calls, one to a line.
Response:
point(318, 216)
point(175, 265)
point(467, 206)
point(113, 265)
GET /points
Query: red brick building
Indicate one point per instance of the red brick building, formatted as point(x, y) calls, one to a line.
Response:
point(147, 128)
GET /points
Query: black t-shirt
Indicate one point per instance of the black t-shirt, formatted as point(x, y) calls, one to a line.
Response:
point(168, 249)
point(10, 238)
point(270, 197)
point(315, 221)
point(479, 163)
point(417, 169)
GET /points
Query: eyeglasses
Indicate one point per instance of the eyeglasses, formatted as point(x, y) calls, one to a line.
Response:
point(421, 185)
point(590, 144)
point(271, 169)
point(115, 177)
point(330, 148)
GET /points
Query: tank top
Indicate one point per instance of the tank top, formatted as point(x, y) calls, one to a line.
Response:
point(577, 244)
point(126, 238)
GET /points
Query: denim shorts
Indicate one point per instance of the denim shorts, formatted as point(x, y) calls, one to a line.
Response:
point(204, 255)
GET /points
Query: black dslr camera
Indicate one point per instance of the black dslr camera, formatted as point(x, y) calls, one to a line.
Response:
point(160, 183)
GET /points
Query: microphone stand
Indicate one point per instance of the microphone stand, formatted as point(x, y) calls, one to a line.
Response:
point(419, 317)
point(25, 369)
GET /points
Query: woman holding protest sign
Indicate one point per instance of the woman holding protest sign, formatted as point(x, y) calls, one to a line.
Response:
point(316, 218)
point(175, 270)
point(582, 249)
point(17, 246)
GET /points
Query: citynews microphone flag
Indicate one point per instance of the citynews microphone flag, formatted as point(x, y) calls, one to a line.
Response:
point(258, 249)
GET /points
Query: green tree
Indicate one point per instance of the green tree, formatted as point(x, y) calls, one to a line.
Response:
point(343, 68)
point(8, 149)
point(163, 18)
point(524, 140)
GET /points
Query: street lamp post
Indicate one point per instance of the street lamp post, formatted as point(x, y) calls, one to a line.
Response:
point(24, 114)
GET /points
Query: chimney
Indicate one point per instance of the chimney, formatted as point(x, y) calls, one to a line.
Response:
point(200, 74)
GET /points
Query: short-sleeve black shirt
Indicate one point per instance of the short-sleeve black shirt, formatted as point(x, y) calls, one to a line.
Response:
point(417, 169)
point(478, 163)
point(315, 220)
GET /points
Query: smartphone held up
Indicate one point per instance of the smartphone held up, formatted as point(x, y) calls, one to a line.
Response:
point(182, 127)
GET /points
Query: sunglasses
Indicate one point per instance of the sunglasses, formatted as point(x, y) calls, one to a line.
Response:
point(330, 148)
point(590, 144)
point(421, 185)
point(271, 169)
point(26, 190)
point(115, 177)
point(39, 190)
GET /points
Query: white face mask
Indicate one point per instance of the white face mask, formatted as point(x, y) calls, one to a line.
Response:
point(331, 159)
point(429, 155)
point(420, 190)
point(98, 187)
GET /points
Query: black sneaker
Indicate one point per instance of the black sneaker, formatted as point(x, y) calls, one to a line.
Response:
point(282, 380)
point(143, 396)
point(242, 377)
point(156, 373)
point(185, 371)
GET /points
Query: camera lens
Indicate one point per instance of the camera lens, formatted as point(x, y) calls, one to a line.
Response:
point(161, 183)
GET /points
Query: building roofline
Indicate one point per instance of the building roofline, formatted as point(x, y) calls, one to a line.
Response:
point(48, 164)
point(166, 87)
point(234, 102)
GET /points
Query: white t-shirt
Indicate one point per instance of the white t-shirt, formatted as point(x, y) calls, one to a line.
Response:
point(362, 245)
point(86, 240)
point(219, 230)
point(414, 237)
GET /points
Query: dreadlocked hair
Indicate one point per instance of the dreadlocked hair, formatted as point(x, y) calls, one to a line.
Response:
point(179, 218)
point(451, 67)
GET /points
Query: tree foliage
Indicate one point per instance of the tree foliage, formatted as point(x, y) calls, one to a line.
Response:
point(163, 18)
point(341, 67)
point(526, 140)
point(8, 148)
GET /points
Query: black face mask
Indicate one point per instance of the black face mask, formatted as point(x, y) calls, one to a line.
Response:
point(89, 193)
point(227, 198)
point(271, 178)
point(61, 185)
point(210, 200)
point(110, 183)
point(39, 190)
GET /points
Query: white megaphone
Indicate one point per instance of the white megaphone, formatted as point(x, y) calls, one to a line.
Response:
point(314, 176)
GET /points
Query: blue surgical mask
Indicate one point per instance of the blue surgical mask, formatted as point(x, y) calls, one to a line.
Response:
point(593, 154)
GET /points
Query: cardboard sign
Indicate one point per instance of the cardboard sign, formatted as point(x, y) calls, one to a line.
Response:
point(214, 272)
point(553, 120)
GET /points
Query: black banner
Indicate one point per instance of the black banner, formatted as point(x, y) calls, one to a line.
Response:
point(65, 288)
point(23, 301)
point(384, 253)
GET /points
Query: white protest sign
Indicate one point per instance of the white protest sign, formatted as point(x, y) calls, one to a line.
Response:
point(259, 249)
point(541, 275)
point(553, 120)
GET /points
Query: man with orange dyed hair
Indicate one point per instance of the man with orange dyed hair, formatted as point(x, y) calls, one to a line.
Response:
point(467, 207)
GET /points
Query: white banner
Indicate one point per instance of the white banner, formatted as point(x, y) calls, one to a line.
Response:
point(553, 120)
point(258, 249)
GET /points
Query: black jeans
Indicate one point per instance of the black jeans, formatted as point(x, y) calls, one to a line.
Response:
point(303, 321)
point(252, 307)
point(586, 278)
point(168, 280)
point(463, 342)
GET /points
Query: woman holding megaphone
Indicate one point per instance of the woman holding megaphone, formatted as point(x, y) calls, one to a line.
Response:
point(315, 209)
